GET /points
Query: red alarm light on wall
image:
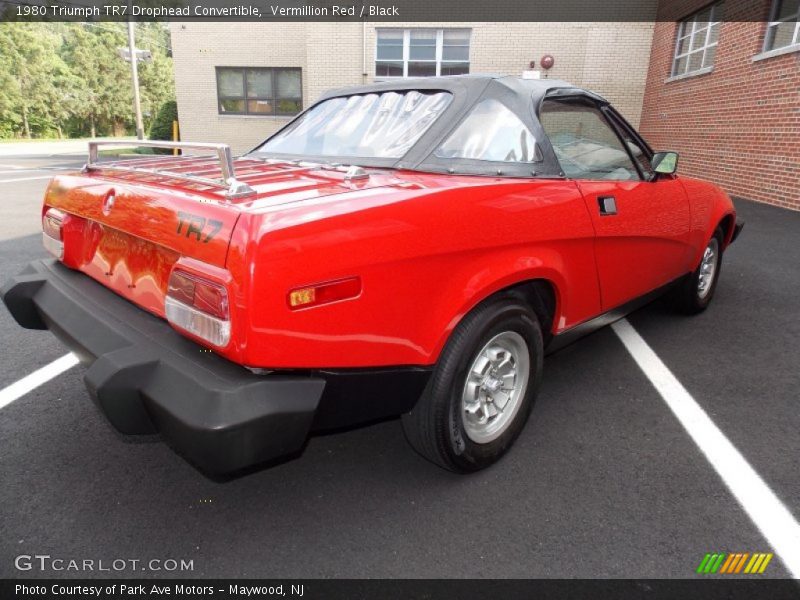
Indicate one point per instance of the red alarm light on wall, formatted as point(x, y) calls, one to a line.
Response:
point(547, 61)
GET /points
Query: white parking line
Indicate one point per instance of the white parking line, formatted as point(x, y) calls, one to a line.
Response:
point(25, 179)
point(767, 512)
point(31, 382)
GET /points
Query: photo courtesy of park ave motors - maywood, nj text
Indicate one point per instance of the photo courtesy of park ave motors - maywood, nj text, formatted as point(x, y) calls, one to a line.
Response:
point(400, 299)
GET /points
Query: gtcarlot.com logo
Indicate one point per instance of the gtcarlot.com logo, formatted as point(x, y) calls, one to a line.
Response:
point(45, 562)
point(734, 563)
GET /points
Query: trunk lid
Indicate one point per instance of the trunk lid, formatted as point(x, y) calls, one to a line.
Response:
point(130, 221)
point(128, 236)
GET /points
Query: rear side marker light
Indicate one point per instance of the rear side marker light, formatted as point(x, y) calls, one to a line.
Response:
point(198, 306)
point(52, 239)
point(324, 293)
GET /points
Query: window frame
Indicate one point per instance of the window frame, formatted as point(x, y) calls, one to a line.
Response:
point(716, 9)
point(274, 98)
point(773, 24)
point(614, 121)
point(406, 58)
point(621, 127)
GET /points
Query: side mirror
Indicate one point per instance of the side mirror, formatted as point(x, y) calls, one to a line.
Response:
point(665, 163)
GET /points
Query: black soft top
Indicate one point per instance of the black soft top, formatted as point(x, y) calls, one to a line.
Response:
point(522, 96)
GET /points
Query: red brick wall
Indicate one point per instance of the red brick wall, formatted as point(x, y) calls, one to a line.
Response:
point(738, 126)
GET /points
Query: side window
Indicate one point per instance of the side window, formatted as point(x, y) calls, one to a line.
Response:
point(585, 144)
point(493, 133)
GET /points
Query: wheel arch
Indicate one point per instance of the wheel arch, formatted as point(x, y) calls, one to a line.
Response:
point(727, 223)
point(540, 291)
point(542, 296)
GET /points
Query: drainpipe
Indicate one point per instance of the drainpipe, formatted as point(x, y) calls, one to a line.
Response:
point(363, 52)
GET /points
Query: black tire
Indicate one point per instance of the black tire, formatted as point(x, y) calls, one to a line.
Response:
point(688, 298)
point(435, 427)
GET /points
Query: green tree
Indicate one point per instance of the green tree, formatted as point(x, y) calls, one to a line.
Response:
point(69, 78)
point(31, 70)
point(105, 95)
point(161, 129)
point(10, 119)
point(156, 80)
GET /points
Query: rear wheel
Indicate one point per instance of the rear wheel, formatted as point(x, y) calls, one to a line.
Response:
point(697, 290)
point(482, 389)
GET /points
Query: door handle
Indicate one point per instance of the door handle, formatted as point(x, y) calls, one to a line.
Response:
point(607, 204)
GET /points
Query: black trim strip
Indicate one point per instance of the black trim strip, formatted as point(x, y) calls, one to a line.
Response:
point(567, 337)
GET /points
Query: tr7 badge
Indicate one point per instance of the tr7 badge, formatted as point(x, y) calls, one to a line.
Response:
point(195, 224)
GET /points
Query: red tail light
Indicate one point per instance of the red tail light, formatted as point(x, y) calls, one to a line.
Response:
point(52, 238)
point(198, 306)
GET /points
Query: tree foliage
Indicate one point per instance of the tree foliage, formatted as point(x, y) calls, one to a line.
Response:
point(67, 79)
point(161, 129)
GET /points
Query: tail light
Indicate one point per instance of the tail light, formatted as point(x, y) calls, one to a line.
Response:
point(324, 293)
point(52, 232)
point(199, 307)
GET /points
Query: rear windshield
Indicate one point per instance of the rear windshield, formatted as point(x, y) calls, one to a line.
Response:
point(382, 125)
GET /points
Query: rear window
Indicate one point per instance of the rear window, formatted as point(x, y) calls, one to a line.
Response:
point(384, 125)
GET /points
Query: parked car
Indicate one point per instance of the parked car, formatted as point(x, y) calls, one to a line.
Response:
point(409, 248)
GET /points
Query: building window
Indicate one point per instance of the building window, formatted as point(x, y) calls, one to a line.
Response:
point(422, 52)
point(784, 27)
point(259, 91)
point(697, 41)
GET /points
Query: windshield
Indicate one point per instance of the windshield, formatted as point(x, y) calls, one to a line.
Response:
point(382, 125)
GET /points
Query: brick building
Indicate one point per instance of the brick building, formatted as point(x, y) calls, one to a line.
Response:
point(723, 89)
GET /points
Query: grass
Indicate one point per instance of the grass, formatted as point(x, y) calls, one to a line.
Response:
point(121, 151)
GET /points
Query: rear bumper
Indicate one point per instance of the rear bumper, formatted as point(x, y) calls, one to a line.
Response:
point(146, 378)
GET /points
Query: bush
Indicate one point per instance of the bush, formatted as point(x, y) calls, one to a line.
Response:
point(161, 128)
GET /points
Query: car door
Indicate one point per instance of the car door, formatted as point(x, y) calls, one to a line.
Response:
point(641, 220)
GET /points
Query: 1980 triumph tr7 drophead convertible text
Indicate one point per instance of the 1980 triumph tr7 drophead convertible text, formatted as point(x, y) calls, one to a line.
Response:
point(405, 248)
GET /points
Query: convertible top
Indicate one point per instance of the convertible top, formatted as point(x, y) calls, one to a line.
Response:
point(522, 96)
point(474, 85)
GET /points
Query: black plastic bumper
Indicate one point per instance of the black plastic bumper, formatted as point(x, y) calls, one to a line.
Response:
point(146, 378)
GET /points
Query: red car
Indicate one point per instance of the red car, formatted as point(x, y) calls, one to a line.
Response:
point(405, 248)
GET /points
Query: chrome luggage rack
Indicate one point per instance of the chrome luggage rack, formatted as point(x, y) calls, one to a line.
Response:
point(191, 169)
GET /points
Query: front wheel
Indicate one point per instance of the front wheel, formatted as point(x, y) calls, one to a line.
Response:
point(482, 389)
point(694, 294)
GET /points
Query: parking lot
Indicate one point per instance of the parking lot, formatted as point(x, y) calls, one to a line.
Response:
point(612, 477)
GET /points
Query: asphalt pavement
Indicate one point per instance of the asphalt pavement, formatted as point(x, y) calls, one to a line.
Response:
point(603, 482)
